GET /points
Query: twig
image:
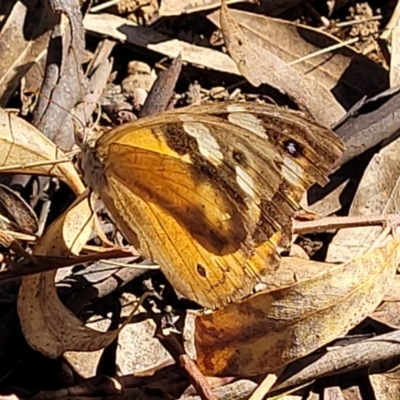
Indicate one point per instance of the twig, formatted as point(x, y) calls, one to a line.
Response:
point(325, 50)
point(195, 376)
point(265, 386)
point(355, 22)
point(328, 223)
point(46, 263)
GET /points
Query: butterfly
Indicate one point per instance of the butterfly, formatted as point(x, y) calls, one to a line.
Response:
point(209, 192)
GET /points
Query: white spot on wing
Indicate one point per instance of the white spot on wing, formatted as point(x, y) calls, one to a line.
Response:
point(233, 108)
point(250, 122)
point(208, 145)
point(292, 171)
point(245, 181)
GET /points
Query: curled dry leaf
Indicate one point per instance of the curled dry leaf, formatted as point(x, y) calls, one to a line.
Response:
point(23, 149)
point(47, 324)
point(258, 65)
point(270, 329)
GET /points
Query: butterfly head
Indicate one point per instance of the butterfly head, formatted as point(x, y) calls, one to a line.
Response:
point(88, 162)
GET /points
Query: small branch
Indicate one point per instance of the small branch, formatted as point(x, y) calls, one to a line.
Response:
point(193, 373)
point(329, 223)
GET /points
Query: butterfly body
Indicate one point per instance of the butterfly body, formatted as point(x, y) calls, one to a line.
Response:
point(209, 191)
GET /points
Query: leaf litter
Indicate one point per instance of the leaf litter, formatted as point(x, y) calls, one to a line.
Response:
point(55, 80)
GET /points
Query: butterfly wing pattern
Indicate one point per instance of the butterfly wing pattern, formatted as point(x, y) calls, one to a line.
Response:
point(209, 191)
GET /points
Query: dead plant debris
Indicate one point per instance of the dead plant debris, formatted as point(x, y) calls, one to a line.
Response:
point(85, 309)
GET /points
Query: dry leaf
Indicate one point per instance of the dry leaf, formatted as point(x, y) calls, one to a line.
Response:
point(23, 149)
point(138, 348)
point(343, 71)
point(386, 385)
point(169, 8)
point(24, 37)
point(393, 293)
point(15, 213)
point(378, 194)
point(395, 54)
point(392, 33)
point(388, 314)
point(47, 324)
point(333, 393)
point(258, 65)
point(270, 329)
point(127, 32)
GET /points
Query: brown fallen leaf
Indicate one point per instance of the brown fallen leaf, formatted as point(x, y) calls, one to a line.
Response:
point(15, 213)
point(270, 329)
point(342, 70)
point(258, 65)
point(24, 38)
point(47, 324)
point(25, 150)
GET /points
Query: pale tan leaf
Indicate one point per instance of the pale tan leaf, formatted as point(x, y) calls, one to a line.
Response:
point(270, 329)
point(378, 194)
point(395, 58)
point(385, 380)
point(47, 324)
point(393, 293)
point(23, 149)
point(392, 33)
point(258, 65)
point(333, 393)
point(388, 313)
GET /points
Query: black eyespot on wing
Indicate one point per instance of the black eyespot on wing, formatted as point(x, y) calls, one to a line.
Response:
point(239, 157)
point(202, 271)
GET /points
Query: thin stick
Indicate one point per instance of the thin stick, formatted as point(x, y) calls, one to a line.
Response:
point(197, 379)
point(330, 223)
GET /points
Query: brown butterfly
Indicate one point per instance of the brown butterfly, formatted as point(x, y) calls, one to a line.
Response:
point(208, 192)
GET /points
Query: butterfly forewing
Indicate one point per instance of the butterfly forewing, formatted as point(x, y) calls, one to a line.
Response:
point(208, 192)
